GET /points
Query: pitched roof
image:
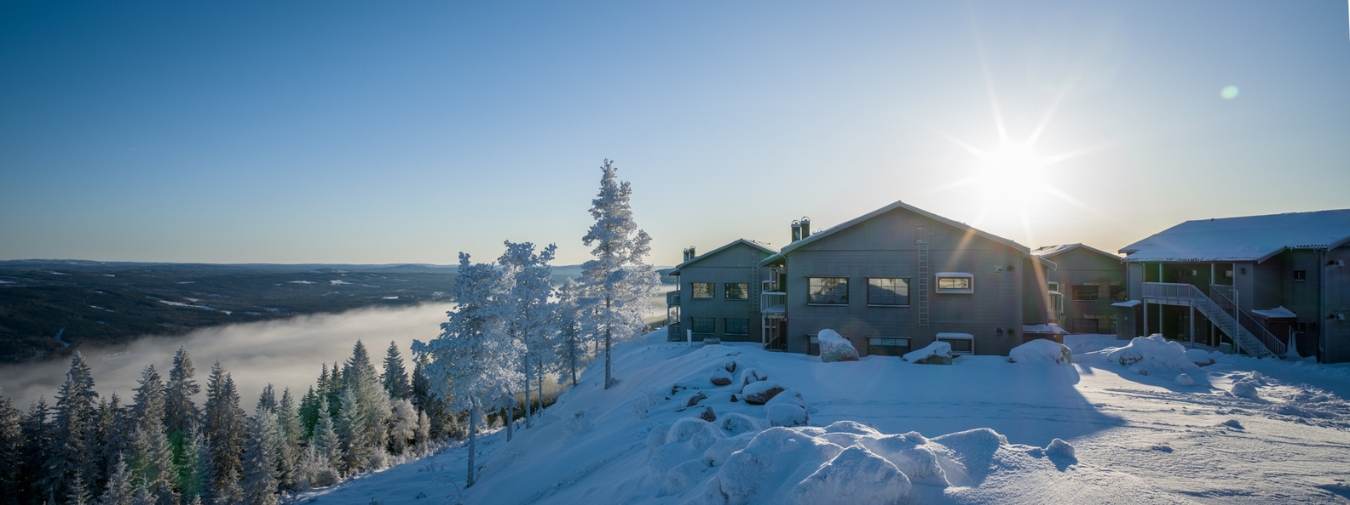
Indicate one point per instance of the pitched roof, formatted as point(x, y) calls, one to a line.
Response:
point(1249, 238)
point(897, 205)
point(1055, 250)
point(751, 243)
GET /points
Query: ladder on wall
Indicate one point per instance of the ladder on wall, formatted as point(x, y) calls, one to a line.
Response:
point(921, 243)
point(754, 289)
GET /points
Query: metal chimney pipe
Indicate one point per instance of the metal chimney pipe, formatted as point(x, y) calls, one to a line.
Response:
point(806, 227)
point(796, 231)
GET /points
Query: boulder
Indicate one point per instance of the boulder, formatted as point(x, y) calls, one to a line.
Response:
point(730, 366)
point(1199, 357)
point(1041, 351)
point(787, 414)
point(708, 415)
point(789, 397)
point(693, 400)
point(936, 353)
point(1185, 380)
point(834, 347)
point(761, 392)
point(719, 377)
point(750, 375)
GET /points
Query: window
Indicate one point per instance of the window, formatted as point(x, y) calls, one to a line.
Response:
point(1300, 275)
point(962, 343)
point(703, 290)
point(955, 282)
point(1054, 287)
point(1085, 292)
point(887, 346)
point(827, 291)
point(887, 291)
point(737, 291)
point(737, 325)
point(703, 324)
point(1119, 293)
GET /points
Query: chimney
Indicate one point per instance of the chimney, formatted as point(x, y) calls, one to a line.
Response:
point(692, 254)
point(686, 255)
point(806, 227)
point(796, 231)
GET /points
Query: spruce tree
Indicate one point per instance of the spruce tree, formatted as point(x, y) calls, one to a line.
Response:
point(151, 463)
point(369, 409)
point(395, 376)
point(115, 429)
point(38, 436)
point(180, 411)
point(260, 460)
point(118, 490)
point(618, 284)
point(73, 446)
point(223, 427)
point(529, 317)
point(11, 452)
point(325, 438)
point(288, 442)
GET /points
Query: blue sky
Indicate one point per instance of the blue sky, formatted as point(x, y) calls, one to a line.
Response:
point(406, 132)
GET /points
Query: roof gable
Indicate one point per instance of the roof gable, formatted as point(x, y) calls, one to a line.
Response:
point(714, 252)
point(825, 233)
point(1249, 238)
point(1051, 251)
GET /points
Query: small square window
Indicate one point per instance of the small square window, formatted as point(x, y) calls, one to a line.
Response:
point(955, 282)
point(706, 325)
point(959, 345)
point(1300, 275)
point(737, 291)
point(703, 290)
point(887, 346)
point(737, 325)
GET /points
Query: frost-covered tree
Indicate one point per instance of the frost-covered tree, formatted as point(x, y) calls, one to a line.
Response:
point(260, 459)
point(472, 362)
point(617, 282)
point(570, 343)
point(73, 448)
point(395, 376)
point(361, 419)
point(11, 451)
point(180, 411)
point(325, 437)
point(151, 462)
point(223, 424)
point(402, 426)
point(229, 493)
point(118, 489)
point(115, 426)
point(38, 436)
point(288, 446)
point(422, 434)
point(529, 313)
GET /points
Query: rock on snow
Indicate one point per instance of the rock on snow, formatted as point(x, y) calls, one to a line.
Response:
point(834, 347)
point(1152, 353)
point(936, 353)
point(1041, 351)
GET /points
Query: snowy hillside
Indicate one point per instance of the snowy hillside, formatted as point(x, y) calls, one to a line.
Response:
point(982, 430)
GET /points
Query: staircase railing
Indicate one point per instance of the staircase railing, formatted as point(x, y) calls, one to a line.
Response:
point(1224, 296)
point(1223, 318)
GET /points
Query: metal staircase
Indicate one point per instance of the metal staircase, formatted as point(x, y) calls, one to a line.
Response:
point(1232, 321)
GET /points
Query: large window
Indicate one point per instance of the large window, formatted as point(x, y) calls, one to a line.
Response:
point(1085, 292)
point(704, 290)
point(887, 291)
point(962, 343)
point(703, 324)
point(955, 282)
point(737, 325)
point(737, 291)
point(827, 291)
point(887, 346)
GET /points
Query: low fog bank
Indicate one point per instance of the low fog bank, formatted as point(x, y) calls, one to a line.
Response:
point(285, 353)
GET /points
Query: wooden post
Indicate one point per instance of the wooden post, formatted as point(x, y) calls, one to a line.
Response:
point(1192, 320)
point(1146, 333)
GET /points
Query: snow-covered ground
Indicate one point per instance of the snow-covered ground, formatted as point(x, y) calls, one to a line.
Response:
point(981, 430)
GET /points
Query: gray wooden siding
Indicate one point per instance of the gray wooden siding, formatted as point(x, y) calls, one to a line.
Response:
point(734, 264)
point(885, 247)
point(1337, 301)
point(1083, 267)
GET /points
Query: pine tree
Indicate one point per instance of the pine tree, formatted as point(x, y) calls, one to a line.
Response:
point(288, 442)
point(395, 376)
point(473, 360)
point(229, 492)
point(422, 435)
point(354, 447)
point(180, 412)
point(73, 445)
point(618, 284)
point(11, 452)
point(529, 312)
point(118, 490)
point(151, 463)
point(260, 460)
point(268, 399)
point(114, 427)
point(325, 438)
point(190, 469)
point(309, 413)
point(223, 425)
point(369, 409)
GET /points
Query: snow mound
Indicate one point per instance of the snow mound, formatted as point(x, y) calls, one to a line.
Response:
point(1152, 353)
point(855, 476)
point(737, 423)
point(1246, 388)
point(910, 453)
point(1059, 449)
point(1185, 380)
point(936, 353)
point(834, 347)
point(1199, 357)
point(1041, 351)
point(787, 414)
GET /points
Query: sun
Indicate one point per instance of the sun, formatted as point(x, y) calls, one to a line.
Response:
point(1010, 171)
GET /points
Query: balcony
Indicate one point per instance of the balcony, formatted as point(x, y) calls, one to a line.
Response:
point(673, 298)
point(773, 304)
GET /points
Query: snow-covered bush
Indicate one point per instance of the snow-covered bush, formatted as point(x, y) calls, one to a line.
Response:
point(834, 347)
point(1041, 351)
point(1152, 353)
point(936, 353)
point(761, 392)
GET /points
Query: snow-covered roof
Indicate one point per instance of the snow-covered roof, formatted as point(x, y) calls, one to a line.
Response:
point(1250, 238)
point(901, 205)
point(751, 243)
point(1131, 303)
point(1055, 250)
point(1275, 313)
